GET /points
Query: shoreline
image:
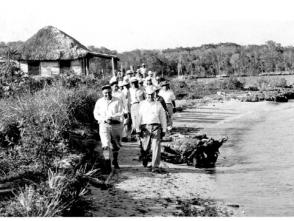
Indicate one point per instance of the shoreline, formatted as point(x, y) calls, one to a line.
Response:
point(183, 190)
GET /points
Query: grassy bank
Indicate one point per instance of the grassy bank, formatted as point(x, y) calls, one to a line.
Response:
point(48, 137)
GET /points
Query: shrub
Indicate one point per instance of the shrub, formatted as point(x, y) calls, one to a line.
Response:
point(231, 83)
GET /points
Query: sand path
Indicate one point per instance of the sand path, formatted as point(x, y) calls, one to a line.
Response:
point(138, 192)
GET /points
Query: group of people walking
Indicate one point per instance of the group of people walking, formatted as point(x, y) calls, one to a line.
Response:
point(137, 105)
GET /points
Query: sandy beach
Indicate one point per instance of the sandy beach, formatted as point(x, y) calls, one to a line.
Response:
point(138, 192)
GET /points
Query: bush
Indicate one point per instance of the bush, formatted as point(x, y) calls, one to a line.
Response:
point(232, 84)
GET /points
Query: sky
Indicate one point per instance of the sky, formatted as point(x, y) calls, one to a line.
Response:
point(125, 25)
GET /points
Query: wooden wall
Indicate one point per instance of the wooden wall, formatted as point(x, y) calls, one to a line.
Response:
point(49, 68)
point(76, 67)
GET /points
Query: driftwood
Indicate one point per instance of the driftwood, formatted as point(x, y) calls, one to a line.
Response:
point(199, 150)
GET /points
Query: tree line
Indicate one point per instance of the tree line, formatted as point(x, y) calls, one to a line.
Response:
point(215, 59)
point(205, 61)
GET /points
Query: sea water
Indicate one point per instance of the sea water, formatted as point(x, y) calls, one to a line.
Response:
point(256, 171)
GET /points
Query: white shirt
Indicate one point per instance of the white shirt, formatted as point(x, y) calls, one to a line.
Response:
point(168, 96)
point(121, 96)
point(136, 95)
point(152, 113)
point(126, 94)
point(143, 71)
point(105, 109)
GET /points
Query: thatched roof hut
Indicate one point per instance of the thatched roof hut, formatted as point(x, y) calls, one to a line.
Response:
point(51, 51)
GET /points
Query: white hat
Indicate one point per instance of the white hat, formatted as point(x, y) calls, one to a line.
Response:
point(113, 80)
point(149, 90)
point(129, 72)
point(133, 79)
point(150, 73)
point(125, 82)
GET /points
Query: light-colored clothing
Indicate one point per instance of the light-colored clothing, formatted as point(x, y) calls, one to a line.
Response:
point(151, 136)
point(126, 94)
point(108, 109)
point(127, 124)
point(121, 96)
point(143, 71)
point(136, 95)
point(152, 113)
point(168, 96)
point(110, 133)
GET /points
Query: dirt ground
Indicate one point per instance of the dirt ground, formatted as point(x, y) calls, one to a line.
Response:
point(182, 190)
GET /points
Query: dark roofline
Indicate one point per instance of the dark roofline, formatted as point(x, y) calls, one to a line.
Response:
point(89, 54)
point(108, 56)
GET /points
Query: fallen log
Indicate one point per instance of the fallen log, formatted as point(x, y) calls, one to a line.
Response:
point(199, 150)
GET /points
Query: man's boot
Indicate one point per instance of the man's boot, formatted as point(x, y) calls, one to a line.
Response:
point(106, 166)
point(114, 161)
point(144, 158)
point(107, 162)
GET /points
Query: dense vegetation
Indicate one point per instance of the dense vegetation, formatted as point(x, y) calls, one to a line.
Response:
point(215, 59)
point(47, 140)
point(204, 61)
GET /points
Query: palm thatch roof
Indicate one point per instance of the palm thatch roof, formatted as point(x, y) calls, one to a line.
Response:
point(52, 44)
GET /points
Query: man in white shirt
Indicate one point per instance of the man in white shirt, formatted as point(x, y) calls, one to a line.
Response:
point(108, 112)
point(127, 124)
point(136, 95)
point(169, 98)
point(151, 128)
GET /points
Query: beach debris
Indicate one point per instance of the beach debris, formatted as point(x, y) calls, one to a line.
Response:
point(197, 150)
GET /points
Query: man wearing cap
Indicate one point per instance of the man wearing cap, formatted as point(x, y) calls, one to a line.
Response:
point(108, 112)
point(148, 81)
point(151, 128)
point(157, 81)
point(160, 99)
point(128, 75)
point(169, 98)
point(136, 95)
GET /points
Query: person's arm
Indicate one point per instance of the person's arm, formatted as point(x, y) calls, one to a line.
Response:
point(119, 111)
point(163, 104)
point(97, 112)
point(138, 130)
point(173, 97)
point(162, 118)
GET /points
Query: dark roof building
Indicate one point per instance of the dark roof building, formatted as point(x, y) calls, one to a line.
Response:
point(51, 51)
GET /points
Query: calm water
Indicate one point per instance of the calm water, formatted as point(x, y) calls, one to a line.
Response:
point(257, 168)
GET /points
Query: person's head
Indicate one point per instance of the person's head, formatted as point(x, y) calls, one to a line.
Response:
point(114, 86)
point(150, 74)
point(157, 89)
point(164, 85)
point(157, 79)
point(148, 81)
point(141, 82)
point(134, 82)
point(150, 94)
point(143, 65)
point(120, 85)
point(106, 91)
point(125, 84)
point(129, 73)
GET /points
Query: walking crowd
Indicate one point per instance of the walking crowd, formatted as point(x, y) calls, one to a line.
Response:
point(135, 106)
